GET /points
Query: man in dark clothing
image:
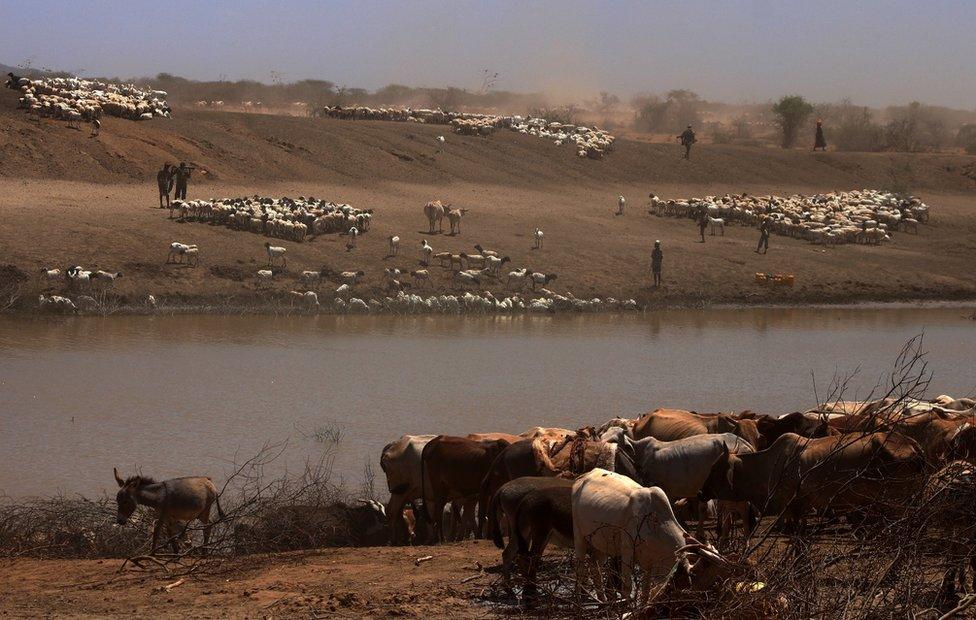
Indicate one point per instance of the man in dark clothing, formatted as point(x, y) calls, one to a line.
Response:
point(819, 141)
point(687, 139)
point(164, 179)
point(702, 223)
point(182, 176)
point(657, 256)
point(763, 236)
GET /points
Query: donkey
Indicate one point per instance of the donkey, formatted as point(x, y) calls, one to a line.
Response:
point(175, 500)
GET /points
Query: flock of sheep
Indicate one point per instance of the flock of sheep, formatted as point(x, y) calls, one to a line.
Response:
point(589, 142)
point(292, 219)
point(75, 99)
point(858, 216)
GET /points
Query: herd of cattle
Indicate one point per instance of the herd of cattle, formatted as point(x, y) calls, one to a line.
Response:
point(285, 218)
point(858, 216)
point(612, 491)
point(589, 141)
point(75, 99)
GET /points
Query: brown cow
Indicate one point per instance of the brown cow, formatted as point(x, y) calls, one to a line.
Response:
point(796, 474)
point(673, 424)
point(452, 469)
point(943, 438)
point(810, 426)
point(856, 423)
point(569, 458)
point(535, 509)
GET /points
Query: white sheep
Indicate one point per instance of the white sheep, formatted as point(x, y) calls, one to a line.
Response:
point(494, 263)
point(485, 252)
point(311, 276)
point(106, 277)
point(541, 279)
point(517, 277)
point(276, 252)
point(351, 277)
point(265, 275)
point(51, 274)
point(422, 276)
point(57, 302)
point(310, 298)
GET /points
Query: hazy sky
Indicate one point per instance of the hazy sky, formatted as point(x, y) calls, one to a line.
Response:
point(734, 50)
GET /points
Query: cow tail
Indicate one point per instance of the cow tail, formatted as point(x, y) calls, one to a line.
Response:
point(425, 513)
point(494, 527)
point(220, 511)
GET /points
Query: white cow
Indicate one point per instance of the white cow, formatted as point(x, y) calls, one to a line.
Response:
point(613, 516)
point(400, 462)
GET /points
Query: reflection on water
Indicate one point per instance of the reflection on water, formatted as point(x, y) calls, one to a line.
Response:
point(175, 395)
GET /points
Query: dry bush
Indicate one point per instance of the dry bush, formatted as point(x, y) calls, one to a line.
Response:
point(70, 528)
point(262, 512)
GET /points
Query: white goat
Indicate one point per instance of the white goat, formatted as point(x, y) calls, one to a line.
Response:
point(517, 277)
point(716, 222)
point(276, 252)
point(493, 263)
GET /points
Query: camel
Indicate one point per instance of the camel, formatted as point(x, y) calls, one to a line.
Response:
point(435, 212)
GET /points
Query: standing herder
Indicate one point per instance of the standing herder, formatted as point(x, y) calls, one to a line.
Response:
point(763, 236)
point(702, 222)
point(96, 125)
point(182, 177)
point(621, 203)
point(687, 139)
point(164, 179)
point(819, 141)
point(657, 257)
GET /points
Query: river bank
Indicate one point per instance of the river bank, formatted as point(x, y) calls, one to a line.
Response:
point(336, 583)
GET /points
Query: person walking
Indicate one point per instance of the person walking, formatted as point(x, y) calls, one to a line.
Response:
point(763, 236)
point(182, 177)
point(96, 125)
point(702, 223)
point(819, 141)
point(687, 138)
point(164, 179)
point(657, 257)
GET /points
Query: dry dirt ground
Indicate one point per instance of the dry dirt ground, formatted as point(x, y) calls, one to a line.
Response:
point(328, 583)
point(69, 199)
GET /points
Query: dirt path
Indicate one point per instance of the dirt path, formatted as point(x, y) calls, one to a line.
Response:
point(329, 583)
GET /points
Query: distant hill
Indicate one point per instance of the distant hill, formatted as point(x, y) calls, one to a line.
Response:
point(235, 146)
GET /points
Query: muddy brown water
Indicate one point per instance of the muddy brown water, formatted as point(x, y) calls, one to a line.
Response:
point(188, 394)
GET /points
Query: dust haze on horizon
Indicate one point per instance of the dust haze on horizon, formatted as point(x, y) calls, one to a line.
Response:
point(875, 53)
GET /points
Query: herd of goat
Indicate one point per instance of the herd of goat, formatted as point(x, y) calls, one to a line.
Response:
point(76, 99)
point(858, 216)
point(614, 491)
point(589, 141)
